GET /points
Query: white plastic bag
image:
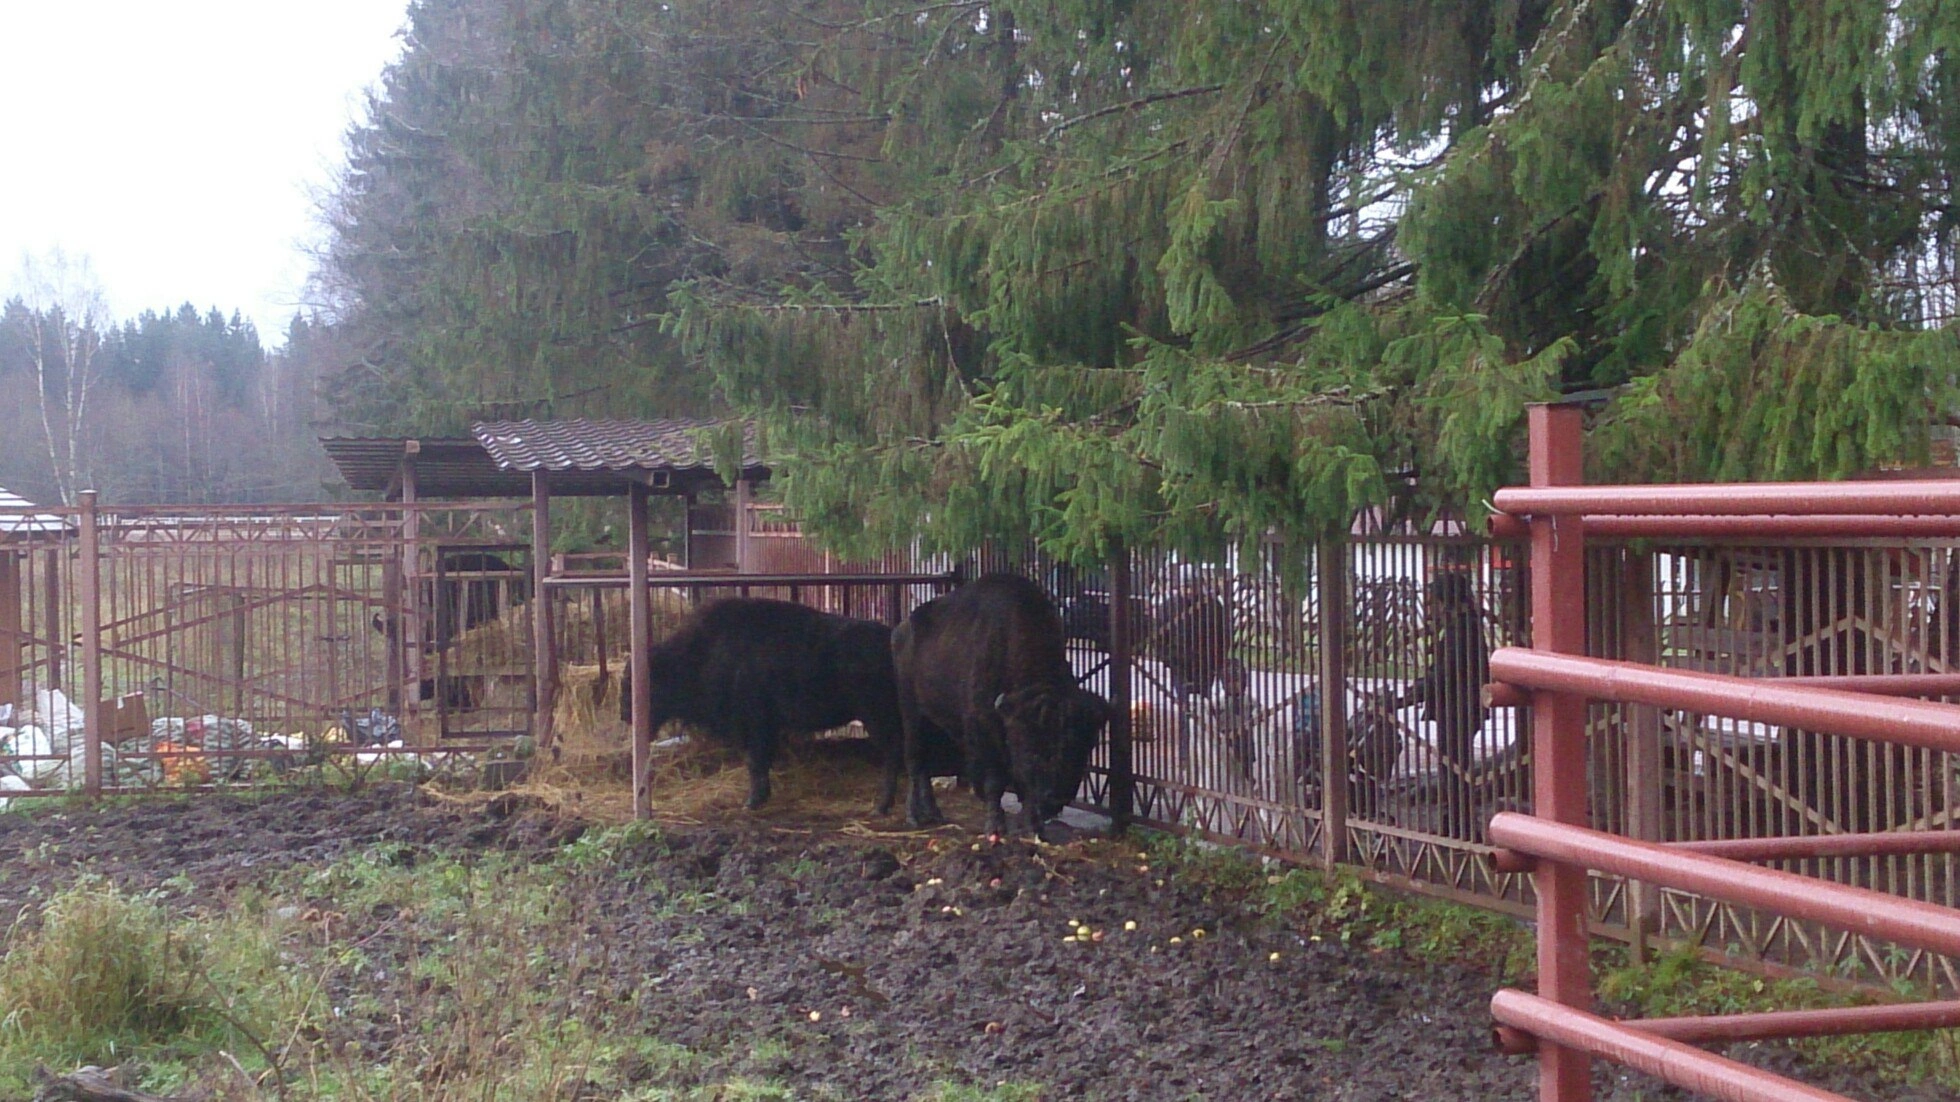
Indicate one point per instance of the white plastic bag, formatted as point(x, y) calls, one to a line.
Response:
point(11, 783)
point(57, 717)
point(32, 743)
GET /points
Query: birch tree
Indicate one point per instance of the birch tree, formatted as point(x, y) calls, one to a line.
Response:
point(60, 324)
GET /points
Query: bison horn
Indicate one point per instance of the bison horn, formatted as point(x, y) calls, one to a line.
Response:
point(999, 700)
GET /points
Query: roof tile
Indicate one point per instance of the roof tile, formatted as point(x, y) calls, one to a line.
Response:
point(580, 444)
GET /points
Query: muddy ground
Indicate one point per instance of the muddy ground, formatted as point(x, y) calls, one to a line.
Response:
point(873, 965)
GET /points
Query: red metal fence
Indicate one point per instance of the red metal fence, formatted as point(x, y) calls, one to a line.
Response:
point(1787, 770)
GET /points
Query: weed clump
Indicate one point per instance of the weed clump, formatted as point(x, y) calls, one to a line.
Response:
point(106, 974)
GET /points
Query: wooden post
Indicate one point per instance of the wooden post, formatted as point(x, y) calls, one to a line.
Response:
point(1122, 761)
point(91, 593)
point(544, 641)
point(1330, 570)
point(640, 662)
point(1643, 741)
point(1558, 743)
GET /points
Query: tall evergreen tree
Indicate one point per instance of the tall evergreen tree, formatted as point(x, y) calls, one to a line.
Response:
point(1155, 270)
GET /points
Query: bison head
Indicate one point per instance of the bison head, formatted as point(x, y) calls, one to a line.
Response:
point(1050, 732)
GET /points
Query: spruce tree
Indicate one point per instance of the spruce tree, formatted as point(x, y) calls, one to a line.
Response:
point(1169, 272)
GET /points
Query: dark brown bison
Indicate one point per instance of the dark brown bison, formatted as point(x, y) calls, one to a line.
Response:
point(1191, 634)
point(986, 667)
point(455, 606)
point(746, 670)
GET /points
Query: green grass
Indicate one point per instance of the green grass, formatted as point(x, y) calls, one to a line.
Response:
point(605, 847)
point(1343, 906)
point(1683, 982)
point(1004, 1092)
point(108, 976)
point(274, 997)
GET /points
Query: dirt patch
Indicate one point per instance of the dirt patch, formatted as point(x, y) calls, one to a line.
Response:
point(866, 964)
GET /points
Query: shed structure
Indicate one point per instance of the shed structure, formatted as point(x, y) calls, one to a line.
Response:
point(577, 457)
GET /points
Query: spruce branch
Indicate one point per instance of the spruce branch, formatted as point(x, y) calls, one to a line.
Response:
point(1129, 105)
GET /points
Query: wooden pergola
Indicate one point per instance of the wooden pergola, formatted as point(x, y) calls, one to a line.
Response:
point(569, 458)
point(670, 456)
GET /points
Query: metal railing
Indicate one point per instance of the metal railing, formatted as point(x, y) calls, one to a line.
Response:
point(1555, 844)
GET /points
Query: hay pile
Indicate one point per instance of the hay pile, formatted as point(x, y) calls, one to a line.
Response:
point(830, 777)
point(589, 770)
point(504, 644)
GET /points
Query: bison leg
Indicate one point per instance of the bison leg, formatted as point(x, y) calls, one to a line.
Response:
point(921, 809)
point(992, 787)
point(762, 752)
point(890, 745)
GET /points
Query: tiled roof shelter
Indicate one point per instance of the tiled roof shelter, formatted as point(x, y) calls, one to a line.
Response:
point(581, 457)
point(676, 445)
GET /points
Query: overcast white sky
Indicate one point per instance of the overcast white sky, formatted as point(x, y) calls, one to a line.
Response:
point(181, 145)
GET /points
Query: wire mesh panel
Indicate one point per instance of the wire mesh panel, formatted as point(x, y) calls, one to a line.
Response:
point(1212, 700)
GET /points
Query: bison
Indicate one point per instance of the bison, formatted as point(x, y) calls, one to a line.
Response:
point(986, 667)
point(1191, 635)
point(746, 669)
point(1189, 631)
point(458, 605)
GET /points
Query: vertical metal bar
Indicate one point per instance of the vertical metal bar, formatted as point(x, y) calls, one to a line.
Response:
point(1642, 732)
point(744, 491)
point(1558, 624)
point(640, 659)
point(15, 627)
point(240, 623)
point(410, 626)
point(544, 644)
point(1331, 576)
point(57, 639)
point(1122, 764)
point(445, 630)
point(91, 582)
point(391, 624)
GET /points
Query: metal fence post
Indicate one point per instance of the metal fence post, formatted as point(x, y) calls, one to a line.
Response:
point(1122, 762)
point(91, 592)
point(1643, 741)
point(1330, 582)
point(1558, 743)
point(544, 640)
point(639, 664)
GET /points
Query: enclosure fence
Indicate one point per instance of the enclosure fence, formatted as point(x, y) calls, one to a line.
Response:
point(145, 647)
point(254, 634)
